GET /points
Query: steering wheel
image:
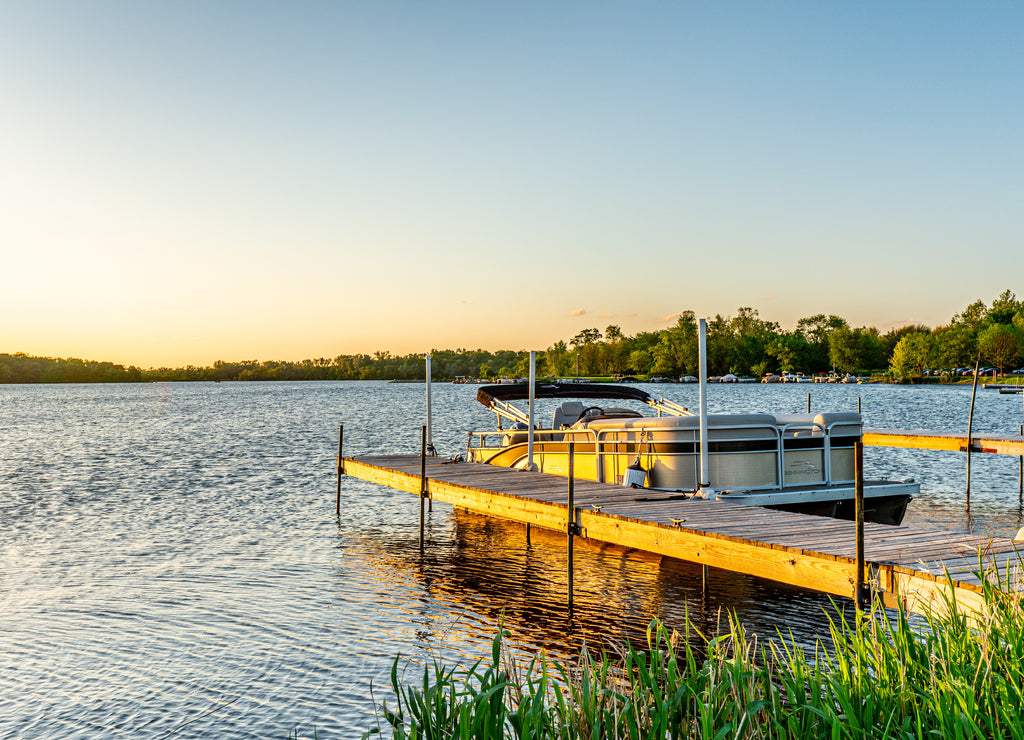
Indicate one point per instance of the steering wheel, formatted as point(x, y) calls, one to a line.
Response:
point(587, 410)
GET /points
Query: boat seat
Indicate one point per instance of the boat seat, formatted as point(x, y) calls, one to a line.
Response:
point(566, 414)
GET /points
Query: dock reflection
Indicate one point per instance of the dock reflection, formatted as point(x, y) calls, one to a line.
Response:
point(483, 569)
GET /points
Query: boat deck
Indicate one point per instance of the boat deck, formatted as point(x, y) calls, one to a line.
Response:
point(904, 564)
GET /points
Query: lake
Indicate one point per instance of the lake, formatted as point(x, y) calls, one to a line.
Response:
point(172, 564)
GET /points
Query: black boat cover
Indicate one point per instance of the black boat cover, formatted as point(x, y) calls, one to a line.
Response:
point(514, 391)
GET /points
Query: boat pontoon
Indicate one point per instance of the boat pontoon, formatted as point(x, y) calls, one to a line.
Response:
point(802, 463)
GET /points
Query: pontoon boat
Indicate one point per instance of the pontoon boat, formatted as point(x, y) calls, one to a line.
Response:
point(802, 463)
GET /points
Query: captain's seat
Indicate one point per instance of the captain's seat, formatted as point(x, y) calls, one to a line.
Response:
point(566, 414)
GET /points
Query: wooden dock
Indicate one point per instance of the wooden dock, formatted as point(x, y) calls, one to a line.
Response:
point(903, 564)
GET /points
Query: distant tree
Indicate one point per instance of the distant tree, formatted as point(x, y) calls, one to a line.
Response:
point(558, 359)
point(1001, 344)
point(1004, 308)
point(640, 361)
point(789, 351)
point(855, 349)
point(954, 345)
point(910, 356)
point(892, 337)
point(972, 316)
point(815, 331)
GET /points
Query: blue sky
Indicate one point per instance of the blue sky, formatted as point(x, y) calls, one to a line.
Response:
point(183, 182)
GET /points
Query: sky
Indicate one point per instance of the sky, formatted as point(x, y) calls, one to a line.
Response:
point(182, 182)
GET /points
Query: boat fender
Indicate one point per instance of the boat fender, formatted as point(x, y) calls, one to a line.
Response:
point(635, 476)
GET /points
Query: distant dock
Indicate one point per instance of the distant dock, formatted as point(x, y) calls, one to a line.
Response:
point(915, 567)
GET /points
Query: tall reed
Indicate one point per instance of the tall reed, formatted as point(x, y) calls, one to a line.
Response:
point(958, 675)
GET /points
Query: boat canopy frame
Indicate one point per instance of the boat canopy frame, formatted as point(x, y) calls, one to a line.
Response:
point(497, 397)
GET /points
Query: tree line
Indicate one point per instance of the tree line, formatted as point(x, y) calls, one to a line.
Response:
point(744, 344)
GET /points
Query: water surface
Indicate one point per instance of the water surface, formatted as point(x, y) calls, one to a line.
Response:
point(172, 564)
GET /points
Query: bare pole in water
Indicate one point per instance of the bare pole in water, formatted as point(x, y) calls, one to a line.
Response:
point(970, 424)
point(704, 484)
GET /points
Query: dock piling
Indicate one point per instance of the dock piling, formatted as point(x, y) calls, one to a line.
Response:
point(808, 403)
point(341, 467)
point(572, 521)
point(859, 594)
point(423, 477)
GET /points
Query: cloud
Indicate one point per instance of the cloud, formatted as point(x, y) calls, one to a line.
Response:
point(467, 303)
point(577, 312)
point(606, 316)
point(671, 317)
point(769, 298)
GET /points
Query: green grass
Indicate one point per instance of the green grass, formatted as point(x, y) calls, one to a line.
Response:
point(885, 675)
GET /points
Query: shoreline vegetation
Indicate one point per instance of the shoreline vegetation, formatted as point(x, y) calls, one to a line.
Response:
point(744, 345)
point(886, 675)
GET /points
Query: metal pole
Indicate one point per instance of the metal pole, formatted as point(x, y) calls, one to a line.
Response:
point(572, 518)
point(430, 426)
point(423, 477)
point(341, 467)
point(704, 484)
point(970, 424)
point(529, 434)
point(858, 456)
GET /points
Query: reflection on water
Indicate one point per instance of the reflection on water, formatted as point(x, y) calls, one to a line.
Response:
point(172, 565)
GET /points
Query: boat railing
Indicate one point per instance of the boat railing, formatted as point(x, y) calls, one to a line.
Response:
point(811, 428)
point(600, 441)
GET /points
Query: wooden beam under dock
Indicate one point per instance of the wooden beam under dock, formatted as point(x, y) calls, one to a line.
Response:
point(816, 553)
point(1003, 444)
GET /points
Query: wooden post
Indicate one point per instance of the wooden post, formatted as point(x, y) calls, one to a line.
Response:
point(572, 519)
point(341, 468)
point(859, 594)
point(423, 477)
point(858, 404)
point(527, 536)
point(704, 582)
point(808, 403)
point(970, 424)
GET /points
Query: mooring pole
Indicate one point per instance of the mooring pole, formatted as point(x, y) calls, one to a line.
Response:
point(527, 536)
point(341, 467)
point(572, 518)
point(423, 477)
point(808, 403)
point(970, 424)
point(858, 461)
point(858, 404)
